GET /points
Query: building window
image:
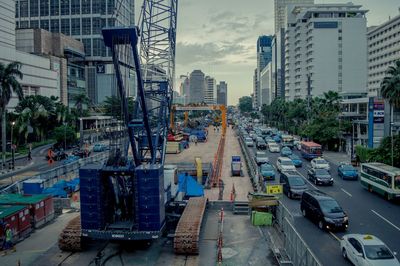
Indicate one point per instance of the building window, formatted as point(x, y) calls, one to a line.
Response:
point(362, 108)
point(75, 7)
point(44, 24)
point(54, 8)
point(96, 26)
point(34, 8)
point(17, 11)
point(96, 6)
point(111, 22)
point(34, 24)
point(55, 25)
point(87, 43)
point(86, 25)
point(97, 49)
point(75, 26)
point(24, 24)
point(110, 6)
point(23, 11)
point(65, 7)
point(65, 26)
point(44, 8)
point(85, 6)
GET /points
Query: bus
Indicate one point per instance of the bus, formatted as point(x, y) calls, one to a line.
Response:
point(310, 150)
point(382, 179)
point(288, 141)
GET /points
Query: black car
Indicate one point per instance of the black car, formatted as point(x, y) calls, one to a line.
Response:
point(320, 176)
point(81, 153)
point(261, 145)
point(58, 155)
point(324, 210)
point(293, 184)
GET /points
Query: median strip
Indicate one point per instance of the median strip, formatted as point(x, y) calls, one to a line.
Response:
point(386, 220)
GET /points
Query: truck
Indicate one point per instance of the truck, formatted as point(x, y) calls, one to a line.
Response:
point(236, 166)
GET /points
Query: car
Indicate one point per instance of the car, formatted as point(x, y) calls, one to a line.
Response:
point(249, 142)
point(320, 176)
point(99, 147)
point(277, 138)
point(81, 153)
point(284, 164)
point(286, 151)
point(366, 250)
point(269, 139)
point(57, 155)
point(293, 184)
point(261, 158)
point(261, 144)
point(320, 163)
point(267, 171)
point(324, 210)
point(296, 160)
point(273, 147)
point(347, 171)
point(70, 159)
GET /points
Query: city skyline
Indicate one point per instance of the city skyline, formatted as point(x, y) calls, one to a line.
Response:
point(202, 41)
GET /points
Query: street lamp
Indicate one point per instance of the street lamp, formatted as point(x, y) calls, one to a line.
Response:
point(65, 136)
point(12, 145)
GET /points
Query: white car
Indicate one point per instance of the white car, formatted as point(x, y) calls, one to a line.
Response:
point(273, 147)
point(285, 164)
point(363, 250)
point(261, 158)
point(249, 142)
point(320, 163)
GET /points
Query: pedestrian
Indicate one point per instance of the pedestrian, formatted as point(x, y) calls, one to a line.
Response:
point(30, 152)
point(8, 243)
point(195, 141)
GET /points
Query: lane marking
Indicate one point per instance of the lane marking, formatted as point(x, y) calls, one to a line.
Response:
point(346, 192)
point(386, 220)
point(308, 180)
point(334, 236)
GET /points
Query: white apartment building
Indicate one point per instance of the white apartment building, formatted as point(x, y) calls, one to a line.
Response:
point(267, 87)
point(280, 11)
point(383, 51)
point(210, 93)
point(328, 43)
point(38, 76)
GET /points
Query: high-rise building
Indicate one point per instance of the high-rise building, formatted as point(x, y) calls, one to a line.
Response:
point(184, 88)
point(222, 93)
point(267, 85)
point(319, 43)
point(210, 93)
point(264, 56)
point(280, 11)
point(197, 87)
point(255, 94)
point(383, 44)
point(40, 76)
point(83, 20)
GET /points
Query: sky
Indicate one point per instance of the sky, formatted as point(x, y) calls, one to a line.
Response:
point(219, 36)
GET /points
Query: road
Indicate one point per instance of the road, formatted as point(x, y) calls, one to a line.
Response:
point(368, 214)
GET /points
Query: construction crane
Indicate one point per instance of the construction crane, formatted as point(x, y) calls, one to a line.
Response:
point(124, 198)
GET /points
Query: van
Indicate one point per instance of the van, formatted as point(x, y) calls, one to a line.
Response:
point(293, 184)
point(324, 210)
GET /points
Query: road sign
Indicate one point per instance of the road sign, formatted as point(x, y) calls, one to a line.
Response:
point(273, 189)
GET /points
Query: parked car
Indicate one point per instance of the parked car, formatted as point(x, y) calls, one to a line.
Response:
point(58, 155)
point(320, 163)
point(273, 147)
point(261, 158)
point(320, 176)
point(286, 151)
point(81, 153)
point(267, 171)
point(249, 142)
point(324, 210)
point(293, 184)
point(284, 164)
point(98, 147)
point(296, 160)
point(347, 171)
point(366, 250)
point(261, 145)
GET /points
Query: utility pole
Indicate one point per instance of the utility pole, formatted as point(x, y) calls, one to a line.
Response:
point(308, 100)
point(3, 139)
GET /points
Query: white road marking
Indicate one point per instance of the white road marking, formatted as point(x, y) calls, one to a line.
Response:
point(386, 220)
point(346, 192)
point(308, 181)
point(332, 234)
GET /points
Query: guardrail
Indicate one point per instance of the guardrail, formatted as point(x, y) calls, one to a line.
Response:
point(65, 172)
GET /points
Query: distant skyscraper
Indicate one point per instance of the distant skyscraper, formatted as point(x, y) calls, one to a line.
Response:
point(210, 93)
point(222, 93)
point(83, 20)
point(280, 12)
point(264, 56)
point(184, 88)
point(197, 87)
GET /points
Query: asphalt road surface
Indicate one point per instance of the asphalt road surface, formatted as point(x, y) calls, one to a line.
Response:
point(368, 214)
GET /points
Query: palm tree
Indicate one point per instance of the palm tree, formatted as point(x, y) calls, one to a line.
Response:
point(390, 86)
point(9, 75)
point(80, 100)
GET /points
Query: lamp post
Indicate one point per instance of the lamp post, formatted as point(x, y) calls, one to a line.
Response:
point(12, 145)
point(65, 136)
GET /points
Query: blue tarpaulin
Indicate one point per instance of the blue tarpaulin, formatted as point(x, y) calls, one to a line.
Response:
point(190, 186)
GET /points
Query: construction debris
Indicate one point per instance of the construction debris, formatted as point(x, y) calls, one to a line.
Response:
point(71, 237)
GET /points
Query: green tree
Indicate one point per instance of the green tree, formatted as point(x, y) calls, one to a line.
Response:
point(245, 104)
point(80, 100)
point(112, 106)
point(64, 133)
point(9, 75)
point(390, 87)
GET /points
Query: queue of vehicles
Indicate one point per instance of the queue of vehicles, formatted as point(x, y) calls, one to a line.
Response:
point(323, 209)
